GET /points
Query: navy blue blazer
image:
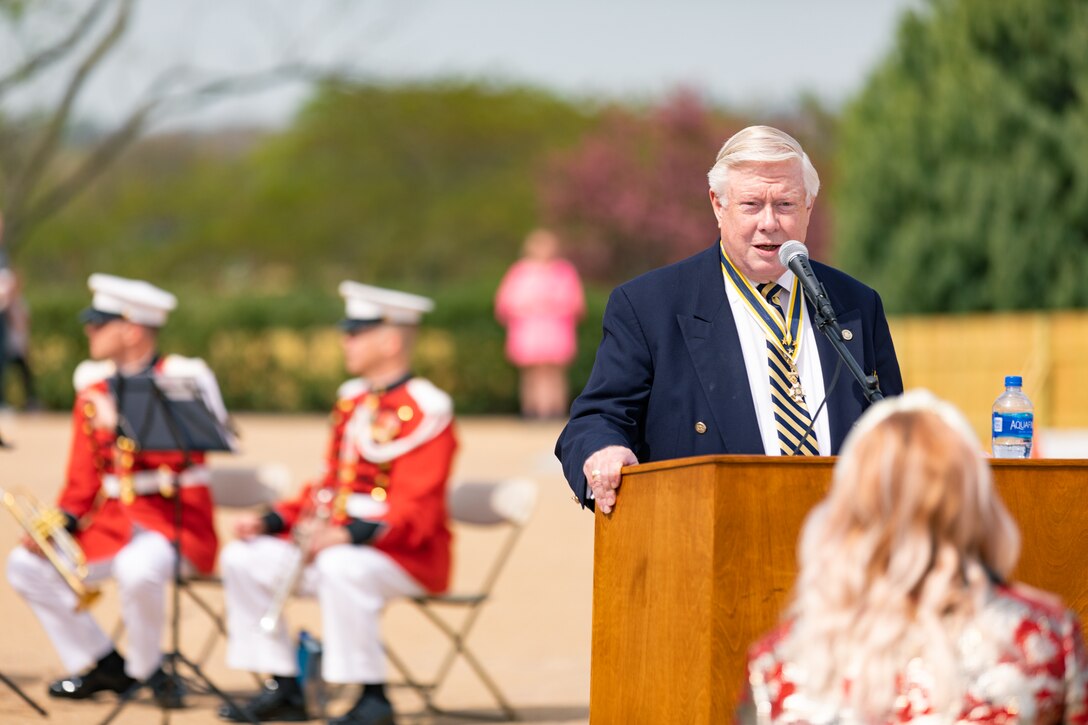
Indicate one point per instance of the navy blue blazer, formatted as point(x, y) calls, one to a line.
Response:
point(670, 357)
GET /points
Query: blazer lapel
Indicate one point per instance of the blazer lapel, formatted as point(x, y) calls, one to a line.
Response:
point(713, 343)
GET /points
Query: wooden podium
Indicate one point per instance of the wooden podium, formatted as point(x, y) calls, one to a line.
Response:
point(699, 557)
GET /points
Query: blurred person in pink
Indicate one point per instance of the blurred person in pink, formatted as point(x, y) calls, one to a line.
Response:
point(540, 302)
point(902, 610)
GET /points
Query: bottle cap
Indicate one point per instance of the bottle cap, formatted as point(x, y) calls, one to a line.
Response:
point(1013, 381)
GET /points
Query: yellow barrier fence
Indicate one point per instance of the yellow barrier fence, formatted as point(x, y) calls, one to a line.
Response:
point(964, 359)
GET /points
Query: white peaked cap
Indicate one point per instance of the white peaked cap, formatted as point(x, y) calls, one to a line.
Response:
point(365, 303)
point(133, 299)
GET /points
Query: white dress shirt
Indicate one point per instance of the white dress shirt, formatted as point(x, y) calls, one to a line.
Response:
point(753, 345)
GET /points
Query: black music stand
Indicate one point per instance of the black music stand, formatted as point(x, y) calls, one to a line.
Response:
point(160, 413)
point(25, 697)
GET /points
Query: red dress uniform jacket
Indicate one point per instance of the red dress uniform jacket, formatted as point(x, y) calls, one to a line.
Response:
point(388, 462)
point(114, 490)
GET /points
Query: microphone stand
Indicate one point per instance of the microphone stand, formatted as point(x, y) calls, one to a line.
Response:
point(794, 256)
point(181, 442)
point(825, 320)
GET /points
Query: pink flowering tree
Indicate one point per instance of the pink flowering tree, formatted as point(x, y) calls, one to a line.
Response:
point(632, 195)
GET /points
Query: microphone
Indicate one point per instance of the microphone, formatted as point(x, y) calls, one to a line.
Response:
point(794, 255)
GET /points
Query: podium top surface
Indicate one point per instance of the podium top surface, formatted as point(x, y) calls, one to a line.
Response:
point(808, 461)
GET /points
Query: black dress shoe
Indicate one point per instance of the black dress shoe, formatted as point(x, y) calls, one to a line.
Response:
point(107, 675)
point(168, 692)
point(274, 703)
point(367, 711)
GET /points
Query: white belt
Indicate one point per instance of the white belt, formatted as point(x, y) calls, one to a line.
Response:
point(363, 506)
point(153, 481)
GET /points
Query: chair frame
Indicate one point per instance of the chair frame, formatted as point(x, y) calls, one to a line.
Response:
point(458, 635)
point(271, 480)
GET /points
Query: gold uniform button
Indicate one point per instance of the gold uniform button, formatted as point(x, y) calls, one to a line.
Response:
point(378, 494)
point(405, 413)
point(700, 427)
point(847, 335)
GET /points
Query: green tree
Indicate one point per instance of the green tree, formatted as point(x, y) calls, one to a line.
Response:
point(427, 184)
point(963, 165)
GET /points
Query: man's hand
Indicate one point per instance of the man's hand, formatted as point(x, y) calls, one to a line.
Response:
point(325, 536)
point(602, 470)
point(248, 525)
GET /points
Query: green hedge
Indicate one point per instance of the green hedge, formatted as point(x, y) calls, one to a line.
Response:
point(282, 354)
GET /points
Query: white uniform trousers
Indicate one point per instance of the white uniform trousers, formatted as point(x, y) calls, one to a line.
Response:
point(352, 584)
point(142, 568)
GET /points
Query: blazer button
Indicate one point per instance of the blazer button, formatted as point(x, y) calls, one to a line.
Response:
point(847, 335)
point(700, 427)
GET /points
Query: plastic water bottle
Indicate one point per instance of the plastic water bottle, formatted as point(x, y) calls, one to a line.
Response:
point(1013, 421)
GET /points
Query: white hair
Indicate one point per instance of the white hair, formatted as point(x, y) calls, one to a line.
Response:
point(897, 558)
point(761, 144)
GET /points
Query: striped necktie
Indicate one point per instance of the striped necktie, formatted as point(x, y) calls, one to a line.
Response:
point(791, 414)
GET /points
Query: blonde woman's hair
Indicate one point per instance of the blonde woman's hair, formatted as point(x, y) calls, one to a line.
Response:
point(898, 557)
point(760, 144)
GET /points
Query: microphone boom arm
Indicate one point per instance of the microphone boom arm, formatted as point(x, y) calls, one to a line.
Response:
point(795, 256)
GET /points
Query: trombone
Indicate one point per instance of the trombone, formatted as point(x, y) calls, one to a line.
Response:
point(45, 527)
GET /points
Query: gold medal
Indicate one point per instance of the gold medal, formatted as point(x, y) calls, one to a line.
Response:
point(796, 392)
point(386, 426)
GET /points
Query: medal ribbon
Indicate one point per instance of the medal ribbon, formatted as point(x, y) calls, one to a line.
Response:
point(786, 340)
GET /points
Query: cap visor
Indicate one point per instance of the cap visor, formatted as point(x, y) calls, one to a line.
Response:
point(91, 316)
point(348, 325)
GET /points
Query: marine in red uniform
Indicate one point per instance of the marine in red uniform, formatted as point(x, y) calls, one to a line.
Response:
point(371, 528)
point(119, 501)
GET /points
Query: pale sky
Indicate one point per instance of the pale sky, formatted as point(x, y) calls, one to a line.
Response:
point(756, 54)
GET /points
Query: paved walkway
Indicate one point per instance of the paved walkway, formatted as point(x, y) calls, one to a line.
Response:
point(534, 636)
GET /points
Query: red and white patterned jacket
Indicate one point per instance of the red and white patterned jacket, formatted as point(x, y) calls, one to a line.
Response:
point(1023, 658)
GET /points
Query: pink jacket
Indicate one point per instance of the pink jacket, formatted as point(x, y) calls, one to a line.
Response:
point(540, 304)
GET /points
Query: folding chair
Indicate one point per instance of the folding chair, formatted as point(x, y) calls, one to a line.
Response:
point(237, 487)
point(507, 504)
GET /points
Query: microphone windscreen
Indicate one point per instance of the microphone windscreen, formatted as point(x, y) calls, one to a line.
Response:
point(791, 249)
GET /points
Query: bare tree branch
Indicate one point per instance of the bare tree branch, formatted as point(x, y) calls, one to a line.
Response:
point(46, 57)
point(23, 184)
point(107, 151)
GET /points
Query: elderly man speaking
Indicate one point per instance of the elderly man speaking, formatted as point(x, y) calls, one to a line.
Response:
point(717, 353)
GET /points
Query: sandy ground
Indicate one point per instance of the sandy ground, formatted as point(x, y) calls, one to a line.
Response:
point(534, 636)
